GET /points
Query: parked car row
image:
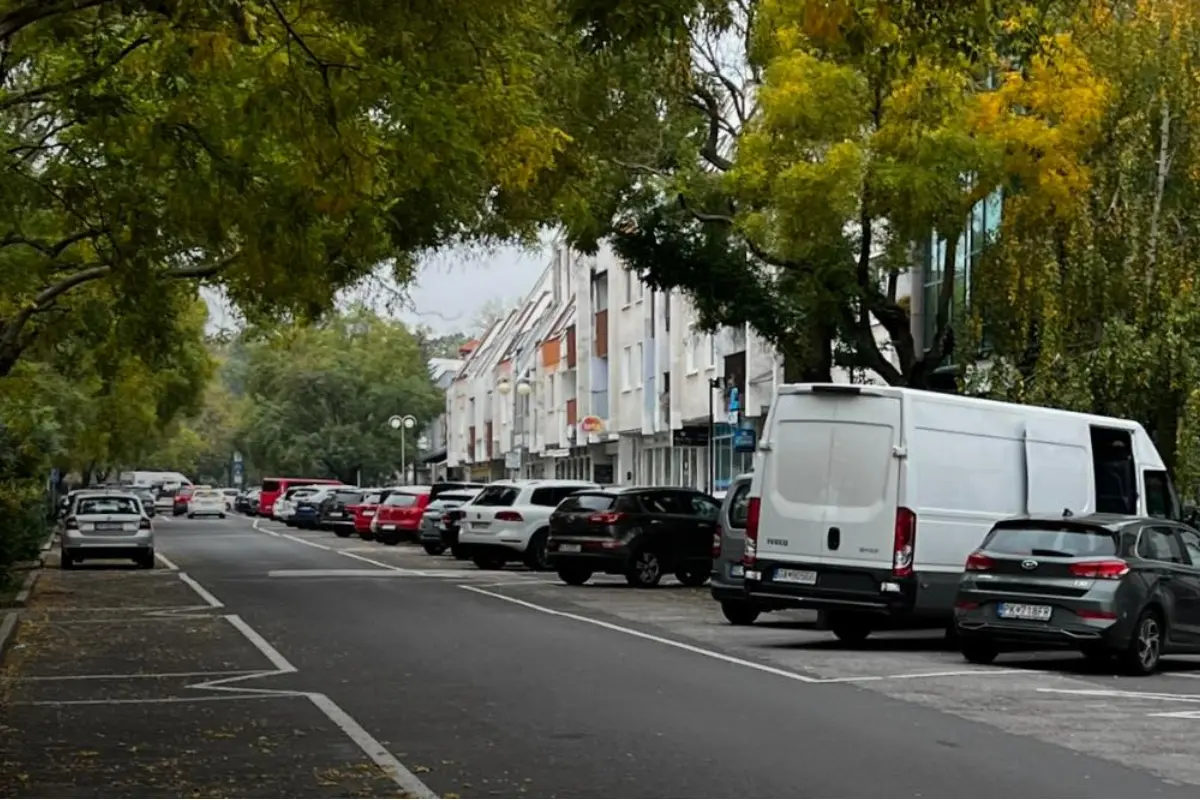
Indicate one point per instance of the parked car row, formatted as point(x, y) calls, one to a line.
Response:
point(574, 528)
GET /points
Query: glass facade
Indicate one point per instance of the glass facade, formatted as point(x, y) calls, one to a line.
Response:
point(982, 225)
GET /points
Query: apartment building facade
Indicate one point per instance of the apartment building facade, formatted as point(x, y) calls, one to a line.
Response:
point(596, 376)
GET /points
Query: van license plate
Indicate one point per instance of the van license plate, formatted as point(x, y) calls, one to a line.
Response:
point(569, 548)
point(1024, 611)
point(805, 576)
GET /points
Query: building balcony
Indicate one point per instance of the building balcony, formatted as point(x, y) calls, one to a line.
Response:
point(571, 347)
point(600, 334)
point(572, 411)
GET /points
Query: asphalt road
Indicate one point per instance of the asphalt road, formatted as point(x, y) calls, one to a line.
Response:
point(483, 697)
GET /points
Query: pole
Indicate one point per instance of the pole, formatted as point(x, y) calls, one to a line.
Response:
point(403, 457)
point(712, 468)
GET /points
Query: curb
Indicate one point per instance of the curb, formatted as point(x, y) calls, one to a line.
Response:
point(8, 626)
point(23, 595)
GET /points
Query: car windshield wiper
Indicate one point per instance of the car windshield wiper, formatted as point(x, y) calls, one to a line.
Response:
point(1037, 551)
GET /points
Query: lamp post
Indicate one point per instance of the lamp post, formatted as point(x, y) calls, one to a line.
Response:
point(713, 385)
point(505, 386)
point(404, 424)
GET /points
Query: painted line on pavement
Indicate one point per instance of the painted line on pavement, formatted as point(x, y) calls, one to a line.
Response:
point(1121, 694)
point(274, 656)
point(741, 662)
point(166, 562)
point(335, 573)
point(317, 545)
point(205, 594)
point(133, 676)
point(254, 525)
point(127, 701)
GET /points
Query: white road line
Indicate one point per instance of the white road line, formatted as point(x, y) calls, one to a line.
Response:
point(168, 563)
point(741, 662)
point(366, 560)
point(317, 545)
point(205, 594)
point(1117, 693)
point(335, 573)
point(256, 527)
point(55, 609)
point(908, 676)
point(130, 701)
point(399, 774)
point(274, 656)
point(135, 675)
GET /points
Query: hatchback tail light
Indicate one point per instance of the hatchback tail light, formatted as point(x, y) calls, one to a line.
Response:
point(978, 562)
point(509, 516)
point(144, 524)
point(1111, 569)
point(716, 542)
point(750, 552)
point(905, 542)
point(606, 518)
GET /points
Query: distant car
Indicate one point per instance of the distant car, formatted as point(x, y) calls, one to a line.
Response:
point(365, 510)
point(284, 508)
point(433, 525)
point(148, 500)
point(1108, 585)
point(181, 499)
point(307, 511)
point(398, 516)
point(247, 502)
point(107, 525)
point(510, 521)
point(729, 542)
point(230, 496)
point(206, 503)
point(639, 532)
point(336, 511)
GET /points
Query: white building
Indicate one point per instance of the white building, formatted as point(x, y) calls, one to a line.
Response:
point(596, 376)
point(432, 441)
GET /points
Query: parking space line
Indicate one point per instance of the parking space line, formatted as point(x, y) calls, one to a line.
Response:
point(1122, 694)
point(317, 545)
point(168, 563)
point(741, 662)
point(908, 676)
point(133, 676)
point(274, 656)
point(129, 701)
point(205, 595)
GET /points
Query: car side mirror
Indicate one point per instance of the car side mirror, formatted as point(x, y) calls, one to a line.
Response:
point(1191, 515)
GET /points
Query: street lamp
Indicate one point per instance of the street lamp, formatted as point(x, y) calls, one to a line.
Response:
point(714, 384)
point(504, 386)
point(404, 424)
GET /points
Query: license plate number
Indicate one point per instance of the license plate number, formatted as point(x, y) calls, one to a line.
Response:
point(389, 527)
point(805, 576)
point(368, 513)
point(110, 526)
point(569, 548)
point(737, 571)
point(337, 514)
point(1024, 611)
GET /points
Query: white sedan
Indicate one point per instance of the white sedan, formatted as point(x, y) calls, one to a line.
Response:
point(206, 503)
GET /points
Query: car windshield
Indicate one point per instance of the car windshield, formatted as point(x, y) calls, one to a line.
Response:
point(270, 486)
point(372, 499)
point(1066, 542)
point(401, 500)
point(205, 494)
point(347, 495)
point(107, 505)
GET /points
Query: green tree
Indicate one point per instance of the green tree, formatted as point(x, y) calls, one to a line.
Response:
point(320, 398)
point(786, 189)
point(278, 148)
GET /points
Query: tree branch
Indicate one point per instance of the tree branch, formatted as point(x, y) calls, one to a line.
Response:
point(51, 251)
point(712, 109)
point(22, 17)
point(42, 92)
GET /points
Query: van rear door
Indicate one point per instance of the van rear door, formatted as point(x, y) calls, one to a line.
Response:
point(831, 480)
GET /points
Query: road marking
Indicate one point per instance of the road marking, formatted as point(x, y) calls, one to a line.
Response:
point(1118, 693)
point(205, 595)
point(254, 525)
point(335, 573)
point(366, 560)
point(1178, 714)
point(135, 675)
point(317, 545)
point(128, 701)
point(168, 563)
point(274, 656)
point(401, 776)
point(908, 676)
point(741, 662)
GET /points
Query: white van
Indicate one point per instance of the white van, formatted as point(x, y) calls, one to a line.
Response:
point(867, 500)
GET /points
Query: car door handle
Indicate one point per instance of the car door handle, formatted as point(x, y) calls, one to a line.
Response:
point(1165, 576)
point(656, 522)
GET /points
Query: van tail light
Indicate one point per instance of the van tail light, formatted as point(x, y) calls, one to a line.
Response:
point(71, 522)
point(1109, 570)
point(904, 543)
point(606, 518)
point(750, 551)
point(716, 543)
point(978, 562)
point(144, 524)
point(509, 516)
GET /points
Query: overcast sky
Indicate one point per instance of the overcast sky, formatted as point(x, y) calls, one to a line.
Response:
point(450, 290)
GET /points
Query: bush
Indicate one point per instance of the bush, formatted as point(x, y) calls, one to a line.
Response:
point(23, 523)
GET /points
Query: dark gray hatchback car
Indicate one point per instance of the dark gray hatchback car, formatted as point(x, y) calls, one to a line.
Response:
point(1107, 585)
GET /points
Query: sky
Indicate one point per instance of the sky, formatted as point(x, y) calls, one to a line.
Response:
point(450, 290)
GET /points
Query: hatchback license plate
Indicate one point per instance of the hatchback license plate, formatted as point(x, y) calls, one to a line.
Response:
point(569, 548)
point(805, 576)
point(1024, 611)
point(389, 527)
point(110, 526)
point(737, 571)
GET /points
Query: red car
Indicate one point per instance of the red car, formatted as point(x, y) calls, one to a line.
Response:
point(364, 512)
point(398, 515)
point(183, 496)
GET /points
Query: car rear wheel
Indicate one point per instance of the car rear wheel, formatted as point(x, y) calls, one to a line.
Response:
point(574, 576)
point(739, 613)
point(341, 533)
point(535, 553)
point(366, 536)
point(1142, 655)
point(693, 576)
point(850, 629)
point(66, 560)
point(645, 570)
point(460, 552)
point(488, 562)
point(979, 651)
point(434, 549)
point(390, 538)
point(146, 560)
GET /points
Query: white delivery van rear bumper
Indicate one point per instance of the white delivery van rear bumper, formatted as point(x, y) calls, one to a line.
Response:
point(917, 597)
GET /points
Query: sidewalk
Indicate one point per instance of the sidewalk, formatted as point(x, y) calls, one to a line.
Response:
point(127, 683)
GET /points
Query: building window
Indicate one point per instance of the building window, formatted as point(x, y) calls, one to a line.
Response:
point(630, 279)
point(639, 364)
point(690, 353)
point(712, 349)
point(627, 368)
point(641, 287)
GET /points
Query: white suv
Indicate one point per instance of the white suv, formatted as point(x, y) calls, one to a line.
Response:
point(510, 520)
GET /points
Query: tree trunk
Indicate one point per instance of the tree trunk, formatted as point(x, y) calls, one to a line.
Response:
point(812, 361)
